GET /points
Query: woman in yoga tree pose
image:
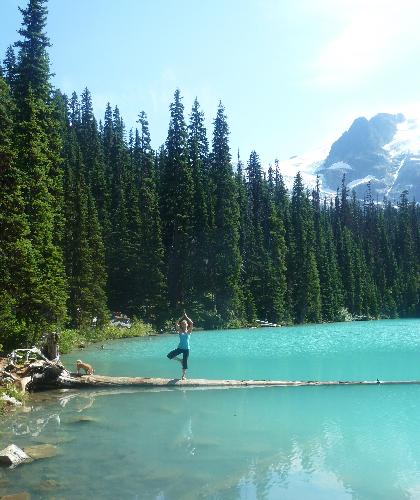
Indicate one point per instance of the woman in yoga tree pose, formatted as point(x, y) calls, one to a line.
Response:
point(184, 327)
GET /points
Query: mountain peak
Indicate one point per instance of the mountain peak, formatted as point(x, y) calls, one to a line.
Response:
point(383, 151)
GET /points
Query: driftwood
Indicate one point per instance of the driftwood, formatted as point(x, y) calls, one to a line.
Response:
point(41, 374)
point(74, 381)
point(29, 369)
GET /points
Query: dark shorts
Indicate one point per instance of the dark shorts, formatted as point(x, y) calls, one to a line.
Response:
point(185, 353)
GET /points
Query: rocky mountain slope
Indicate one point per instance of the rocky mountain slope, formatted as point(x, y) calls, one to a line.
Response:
point(384, 151)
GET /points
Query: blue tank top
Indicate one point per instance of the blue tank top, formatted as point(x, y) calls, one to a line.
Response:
point(184, 341)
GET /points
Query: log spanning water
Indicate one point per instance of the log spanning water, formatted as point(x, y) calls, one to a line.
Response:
point(105, 381)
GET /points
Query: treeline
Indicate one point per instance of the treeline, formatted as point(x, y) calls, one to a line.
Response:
point(93, 220)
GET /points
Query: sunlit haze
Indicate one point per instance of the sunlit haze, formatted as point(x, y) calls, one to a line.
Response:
point(292, 75)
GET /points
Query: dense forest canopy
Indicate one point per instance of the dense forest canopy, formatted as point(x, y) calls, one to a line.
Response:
point(93, 220)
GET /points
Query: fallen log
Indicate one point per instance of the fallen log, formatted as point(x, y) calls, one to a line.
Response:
point(42, 374)
point(74, 381)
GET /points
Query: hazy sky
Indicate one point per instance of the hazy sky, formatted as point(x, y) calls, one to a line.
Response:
point(292, 74)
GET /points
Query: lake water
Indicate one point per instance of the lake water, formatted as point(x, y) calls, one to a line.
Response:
point(246, 443)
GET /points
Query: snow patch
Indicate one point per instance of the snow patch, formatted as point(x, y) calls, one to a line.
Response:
point(358, 182)
point(340, 165)
point(308, 162)
point(406, 139)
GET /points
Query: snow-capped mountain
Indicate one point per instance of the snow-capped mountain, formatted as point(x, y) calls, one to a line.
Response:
point(384, 151)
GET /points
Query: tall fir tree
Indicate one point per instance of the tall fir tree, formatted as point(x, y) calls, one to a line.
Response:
point(408, 263)
point(9, 68)
point(177, 201)
point(226, 259)
point(198, 154)
point(152, 285)
point(18, 269)
point(329, 277)
point(93, 157)
point(305, 277)
point(83, 248)
point(122, 244)
point(38, 144)
point(245, 238)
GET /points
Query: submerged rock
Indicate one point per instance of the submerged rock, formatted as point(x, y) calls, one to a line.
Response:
point(12, 455)
point(41, 451)
point(17, 496)
point(48, 485)
point(3, 483)
point(84, 420)
point(56, 440)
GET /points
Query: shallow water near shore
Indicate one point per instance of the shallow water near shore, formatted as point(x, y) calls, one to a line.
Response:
point(293, 443)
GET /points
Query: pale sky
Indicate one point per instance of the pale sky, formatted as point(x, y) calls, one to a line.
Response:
point(292, 74)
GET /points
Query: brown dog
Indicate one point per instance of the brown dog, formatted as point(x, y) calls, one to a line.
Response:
point(84, 366)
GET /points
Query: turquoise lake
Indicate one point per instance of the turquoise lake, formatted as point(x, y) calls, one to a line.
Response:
point(241, 443)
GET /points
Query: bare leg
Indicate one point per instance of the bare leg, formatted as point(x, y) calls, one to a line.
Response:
point(183, 374)
point(177, 359)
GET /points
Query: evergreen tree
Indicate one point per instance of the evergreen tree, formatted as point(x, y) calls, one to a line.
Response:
point(276, 307)
point(177, 201)
point(97, 174)
point(245, 238)
point(152, 289)
point(33, 71)
point(305, 277)
point(258, 269)
point(330, 282)
point(198, 154)
point(77, 256)
point(84, 249)
point(123, 240)
point(38, 145)
point(97, 304)
point(9, 68)
point(408, 263)
point(226, 259)
point(18, 270)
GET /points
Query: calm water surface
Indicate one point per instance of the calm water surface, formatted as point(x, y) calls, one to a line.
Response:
point(291, 443)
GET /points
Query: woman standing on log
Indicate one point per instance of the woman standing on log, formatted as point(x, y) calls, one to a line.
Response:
point(184, 327)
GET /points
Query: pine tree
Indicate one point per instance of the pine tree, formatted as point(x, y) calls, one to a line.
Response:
point(77, 255)
point(198, 154)
point(408, 263)
point(33, 71)
point(122, 244)
point(84, 249)
point(257, 264)
point(305, 277)
point(18, 270)
point(276, 308)
point(38, 145)
point(152, 286)
point(226, 259)
point(9, 68)
point(97, 174)
point(97, 304)
point(177, 200)
point(245, 238)
point(330, 282)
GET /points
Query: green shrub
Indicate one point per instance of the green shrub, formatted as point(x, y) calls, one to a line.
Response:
point(71, 339)
point(13, 392)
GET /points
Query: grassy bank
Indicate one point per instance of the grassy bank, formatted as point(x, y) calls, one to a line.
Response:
point(13, 392)
point(73, 339)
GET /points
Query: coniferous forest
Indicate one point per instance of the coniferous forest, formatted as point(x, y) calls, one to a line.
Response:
point(93, 220)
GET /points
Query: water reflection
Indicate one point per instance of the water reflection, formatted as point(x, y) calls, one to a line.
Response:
point(247, 443)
